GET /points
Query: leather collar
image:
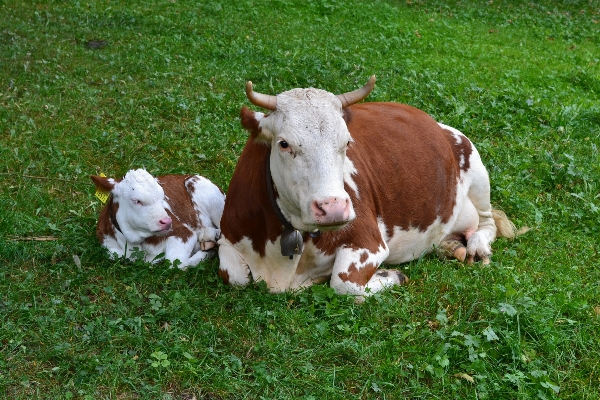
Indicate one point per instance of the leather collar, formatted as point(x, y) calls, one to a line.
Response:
point(271, 193)
point(111, 214)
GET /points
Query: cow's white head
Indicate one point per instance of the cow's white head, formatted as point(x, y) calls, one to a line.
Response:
point(137, 205)
point(308, 138)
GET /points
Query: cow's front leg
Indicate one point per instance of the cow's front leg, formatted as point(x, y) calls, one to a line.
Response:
point(355, 272)
point(233, 269)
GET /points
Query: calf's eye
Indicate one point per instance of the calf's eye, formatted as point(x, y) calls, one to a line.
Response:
point(283, 144)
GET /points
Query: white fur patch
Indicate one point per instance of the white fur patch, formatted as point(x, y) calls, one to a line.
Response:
point(349, 171)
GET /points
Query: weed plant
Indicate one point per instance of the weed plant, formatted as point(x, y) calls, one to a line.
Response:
point(104, 86)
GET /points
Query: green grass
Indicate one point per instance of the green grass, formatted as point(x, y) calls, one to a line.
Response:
point(521, 79)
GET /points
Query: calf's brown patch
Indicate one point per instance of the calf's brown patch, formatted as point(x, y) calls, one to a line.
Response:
point(104, 227)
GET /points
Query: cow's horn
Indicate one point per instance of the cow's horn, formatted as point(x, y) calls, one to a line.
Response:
point(261, 100)
point(357, 95)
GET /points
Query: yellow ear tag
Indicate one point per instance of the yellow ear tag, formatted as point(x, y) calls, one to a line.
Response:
point(101, 194)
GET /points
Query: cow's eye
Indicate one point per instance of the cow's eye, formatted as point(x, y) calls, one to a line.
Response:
point(138, 202)
point(283, 144)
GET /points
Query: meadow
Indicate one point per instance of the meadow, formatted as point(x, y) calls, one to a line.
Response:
point(103, 86)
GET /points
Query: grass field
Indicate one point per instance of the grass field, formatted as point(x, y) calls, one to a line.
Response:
point(91, 87)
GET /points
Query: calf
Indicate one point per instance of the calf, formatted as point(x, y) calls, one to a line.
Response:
point(173, 216)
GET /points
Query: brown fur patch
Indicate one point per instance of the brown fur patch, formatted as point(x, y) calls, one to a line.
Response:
point(104, 227)
point(224, 276)
point(102, 182)
point(461, 150)
point(182, 209)
point(179, 200)
point(347, 115)
point(407, 174)
point(154, 240)
point(362, 233)
point(364, 256)
point(412, 180)
point(359, 276)
point(249, 122)
point(189, 184)
point(248, 211)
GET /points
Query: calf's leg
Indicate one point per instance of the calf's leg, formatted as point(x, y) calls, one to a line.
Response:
point(183, 251)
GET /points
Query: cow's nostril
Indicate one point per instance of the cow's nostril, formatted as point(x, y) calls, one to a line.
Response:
point(317, 209)
point(165, 221)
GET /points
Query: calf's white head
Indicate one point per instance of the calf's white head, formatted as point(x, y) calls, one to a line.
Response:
point(137, 205)
point(308, 138)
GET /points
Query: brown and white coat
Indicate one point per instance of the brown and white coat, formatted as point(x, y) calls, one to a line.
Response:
point(375, 183)
point(173, 216)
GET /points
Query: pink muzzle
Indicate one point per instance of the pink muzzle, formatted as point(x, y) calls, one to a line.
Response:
point(331, 210)
point(165, 224)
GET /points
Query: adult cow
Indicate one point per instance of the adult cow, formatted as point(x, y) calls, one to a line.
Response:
point(359, 185)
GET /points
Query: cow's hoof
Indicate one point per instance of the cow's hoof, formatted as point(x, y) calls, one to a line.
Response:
point(207, 245)
point(396, 277)
point(402, 279)
point(460, 253)
point(472, 258)
point(452, 248)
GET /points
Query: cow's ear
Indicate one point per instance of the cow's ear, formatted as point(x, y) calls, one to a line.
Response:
point(103, 183)
point(251, 122)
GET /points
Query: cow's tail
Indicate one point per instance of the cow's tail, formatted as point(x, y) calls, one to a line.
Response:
point(504, 226)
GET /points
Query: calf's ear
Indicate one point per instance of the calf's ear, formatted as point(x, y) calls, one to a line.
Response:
point(103, 183)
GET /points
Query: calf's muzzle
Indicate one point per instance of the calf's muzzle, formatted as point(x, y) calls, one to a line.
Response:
point(165, 224)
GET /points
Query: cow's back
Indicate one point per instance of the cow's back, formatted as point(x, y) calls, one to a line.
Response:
point(406, 164)
point(406, 175)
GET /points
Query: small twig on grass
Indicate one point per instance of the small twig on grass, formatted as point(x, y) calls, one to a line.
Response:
point(33, 239)
point(37, 177)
